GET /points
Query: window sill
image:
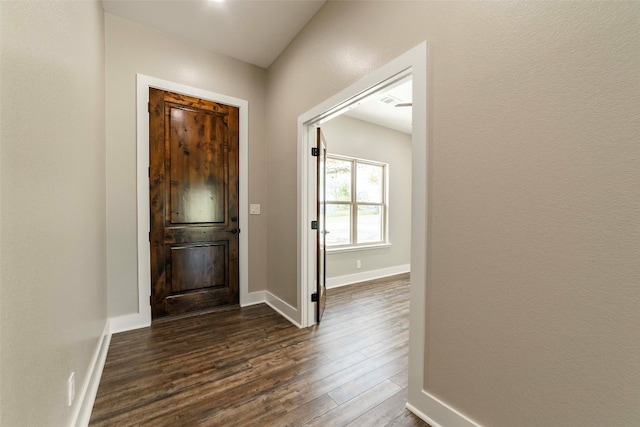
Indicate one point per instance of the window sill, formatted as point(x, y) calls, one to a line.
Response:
point(358, 248)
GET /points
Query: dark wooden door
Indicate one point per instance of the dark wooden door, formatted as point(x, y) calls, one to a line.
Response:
point(193, 185)
point(321, 262)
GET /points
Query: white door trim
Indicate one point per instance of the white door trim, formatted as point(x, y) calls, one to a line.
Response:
point(143, 317)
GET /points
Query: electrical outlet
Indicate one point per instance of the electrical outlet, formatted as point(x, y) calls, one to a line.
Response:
point(358, 264)
point(71, 389)
point(254, 209)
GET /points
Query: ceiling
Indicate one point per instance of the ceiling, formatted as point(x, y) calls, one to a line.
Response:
point(382, 107)
point(253, 31)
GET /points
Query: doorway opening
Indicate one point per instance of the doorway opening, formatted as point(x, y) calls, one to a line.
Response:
point(366, 216)
point(410, 65)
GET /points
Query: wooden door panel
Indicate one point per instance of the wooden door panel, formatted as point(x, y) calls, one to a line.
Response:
point(193, 183)
point(321, 249)
point(186, 302)
point(200, 233)
point(198, 167)
point(201, 266)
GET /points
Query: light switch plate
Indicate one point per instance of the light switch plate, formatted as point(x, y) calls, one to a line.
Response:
point(254, 209)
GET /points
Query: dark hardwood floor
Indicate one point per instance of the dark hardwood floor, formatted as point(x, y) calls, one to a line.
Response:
point(251, 367)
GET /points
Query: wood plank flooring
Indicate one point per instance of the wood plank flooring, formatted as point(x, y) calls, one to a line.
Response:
point(251, 367)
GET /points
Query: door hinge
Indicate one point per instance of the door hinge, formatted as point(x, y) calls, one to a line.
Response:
point(149, 172)
point(314, 297)
point(148, 107)
point(315, 152)
point(314, 225)
point(150, 300)
point(149, 236)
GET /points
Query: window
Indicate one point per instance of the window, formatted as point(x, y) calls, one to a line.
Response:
point(355, 202)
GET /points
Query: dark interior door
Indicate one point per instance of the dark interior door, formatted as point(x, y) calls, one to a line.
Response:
point(193, 183)
point(321, 262)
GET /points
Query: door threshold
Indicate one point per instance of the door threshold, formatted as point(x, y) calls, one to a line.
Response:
point(196, 313)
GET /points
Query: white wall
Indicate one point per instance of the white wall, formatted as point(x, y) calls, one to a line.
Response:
point(534, 227)
point(131, 49)
point(348, 136)
point(52, 227)
point(1, 49)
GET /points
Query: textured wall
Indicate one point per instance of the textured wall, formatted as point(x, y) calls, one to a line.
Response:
point(355, 138)
point(534, 243)
point(53, 282)
point(131, 49)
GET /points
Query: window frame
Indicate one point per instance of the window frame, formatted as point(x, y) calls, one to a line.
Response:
point(353, 205)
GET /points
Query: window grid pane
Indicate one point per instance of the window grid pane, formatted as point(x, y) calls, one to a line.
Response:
point(369, 183)
point(338, 224)
point(338, 180)
point(369, 229)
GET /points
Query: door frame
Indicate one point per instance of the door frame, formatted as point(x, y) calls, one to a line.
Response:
point(413, 62)
point(143, 83)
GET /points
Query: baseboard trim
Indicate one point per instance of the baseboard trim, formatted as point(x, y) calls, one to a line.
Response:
point(349, 279)
point(128, 322)
point(87, 395)
point(285, 310)
point(438, 414)
point(253, 298)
